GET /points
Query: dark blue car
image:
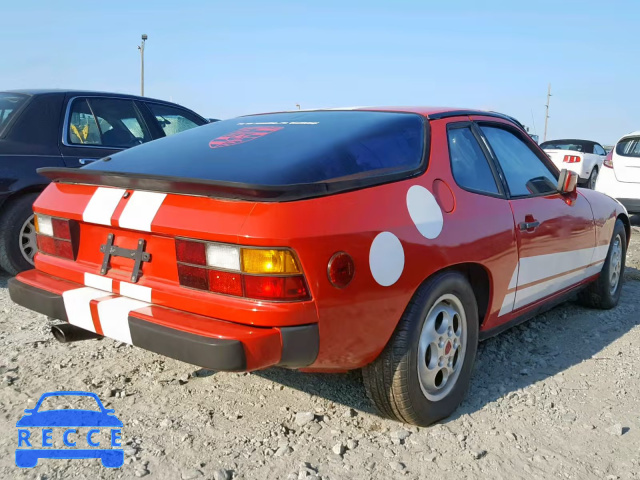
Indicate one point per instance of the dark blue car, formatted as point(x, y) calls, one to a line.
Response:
point(28, 453)
point(64, 128)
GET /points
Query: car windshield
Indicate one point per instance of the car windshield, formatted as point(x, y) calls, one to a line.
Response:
point(564, 145)
point(284, 149)
point(9, 103)
point(629, 147)
point(69, 402)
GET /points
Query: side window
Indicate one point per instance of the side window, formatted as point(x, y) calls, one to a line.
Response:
point(82, 127)
point(598, 150)
point(173, 120)
point(525, 173)
point(106, 122)
point(469, 165)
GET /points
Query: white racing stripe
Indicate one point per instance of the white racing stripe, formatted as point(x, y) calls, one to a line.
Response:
point(507, 305)
point(76, 303)
point(114, 317)
point(534, 269)
point(137, 292)
point(102, 205)
point(568, 268)
point(140, 211)
point(96, 281)
point(527, 295)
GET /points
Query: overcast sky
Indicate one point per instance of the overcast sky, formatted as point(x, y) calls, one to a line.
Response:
point(227, 58)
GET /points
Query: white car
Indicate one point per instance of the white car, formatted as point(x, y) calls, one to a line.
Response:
point(620, 177)
point(581, 156)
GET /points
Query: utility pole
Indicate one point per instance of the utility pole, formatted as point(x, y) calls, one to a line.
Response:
point(546, 117)
point(141, 48)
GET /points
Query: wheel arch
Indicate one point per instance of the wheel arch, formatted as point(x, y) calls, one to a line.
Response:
point(480, 280)
point(13, 196)
point(627, 226)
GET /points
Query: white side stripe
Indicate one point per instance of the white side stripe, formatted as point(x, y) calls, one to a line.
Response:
point(525, 296)
point(507, 305)
point(96, 281)
point(114, 317)
point(600, 253)
point(137, 292)
point(534, 269)
point(76, 303)
point(568, 268)
point(102, 205)
point(140, 211)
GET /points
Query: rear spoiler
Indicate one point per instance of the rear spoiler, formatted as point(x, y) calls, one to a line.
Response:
point(218, 189)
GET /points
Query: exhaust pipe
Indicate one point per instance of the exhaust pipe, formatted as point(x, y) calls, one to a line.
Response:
point(65, 333)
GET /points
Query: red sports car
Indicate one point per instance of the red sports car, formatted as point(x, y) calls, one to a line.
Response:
point(387, 239)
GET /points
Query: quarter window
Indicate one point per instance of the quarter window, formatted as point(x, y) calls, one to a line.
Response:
point(524, 171)
point(468, 163)
point(106, 122)
point(173, 120)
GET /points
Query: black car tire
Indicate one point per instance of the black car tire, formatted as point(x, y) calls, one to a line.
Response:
point(392, 381)
point(12, 218)
point(591, 182)
point(601, 293)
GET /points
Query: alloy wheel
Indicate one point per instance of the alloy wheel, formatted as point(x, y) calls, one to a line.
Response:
point(442, 347)
point(28, 244)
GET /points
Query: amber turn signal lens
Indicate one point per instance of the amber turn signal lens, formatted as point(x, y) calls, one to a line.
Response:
point(268, 261)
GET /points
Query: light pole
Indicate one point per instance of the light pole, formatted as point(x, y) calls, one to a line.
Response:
point(546, 116)
point(141, 48)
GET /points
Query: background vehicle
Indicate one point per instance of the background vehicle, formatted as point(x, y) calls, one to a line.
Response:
point(63, 128)
point(620, 177)
point(390, 240)
point(581, 156)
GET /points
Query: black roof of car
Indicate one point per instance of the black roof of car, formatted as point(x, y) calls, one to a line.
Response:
point(80, 93)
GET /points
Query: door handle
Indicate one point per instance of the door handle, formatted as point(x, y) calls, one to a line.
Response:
point(86, 161)
point(529, 226)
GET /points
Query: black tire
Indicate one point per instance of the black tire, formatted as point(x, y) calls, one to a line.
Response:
point(591, 182)
point(600, 294)
point(391, 381)
point(13, 216)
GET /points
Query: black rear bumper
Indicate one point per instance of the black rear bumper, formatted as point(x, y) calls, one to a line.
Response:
point(299, 344)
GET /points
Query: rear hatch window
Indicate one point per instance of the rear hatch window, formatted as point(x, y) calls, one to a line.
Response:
point(9, 104)
point(629, 147)
point(284, 149)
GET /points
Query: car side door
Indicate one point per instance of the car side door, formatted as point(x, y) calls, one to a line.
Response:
point(555, 232)
point(95, 127)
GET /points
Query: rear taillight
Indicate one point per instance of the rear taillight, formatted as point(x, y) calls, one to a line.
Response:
point(54, 236)
point(257, 273)
point(572, 159)
point(608, 160)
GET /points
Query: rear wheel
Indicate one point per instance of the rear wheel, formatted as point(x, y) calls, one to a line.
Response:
point(591, 182)
point(18, 235)
point(604, 293)
point(423, 373)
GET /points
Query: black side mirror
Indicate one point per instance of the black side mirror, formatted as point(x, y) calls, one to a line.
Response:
point(567, 182)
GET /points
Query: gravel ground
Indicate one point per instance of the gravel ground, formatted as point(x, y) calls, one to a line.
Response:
point(556, 397)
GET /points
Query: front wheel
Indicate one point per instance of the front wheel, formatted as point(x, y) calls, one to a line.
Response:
point(604, 293)
point(423, 373)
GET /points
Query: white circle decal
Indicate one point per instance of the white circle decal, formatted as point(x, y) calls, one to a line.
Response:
point(424, 211)
point(386, 259)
